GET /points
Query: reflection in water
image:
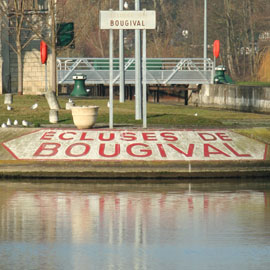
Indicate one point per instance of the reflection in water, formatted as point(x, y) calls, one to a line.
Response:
point(60, 226)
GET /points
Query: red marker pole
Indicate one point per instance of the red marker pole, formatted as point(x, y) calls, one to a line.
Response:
point(43, 57)
point(216, 50)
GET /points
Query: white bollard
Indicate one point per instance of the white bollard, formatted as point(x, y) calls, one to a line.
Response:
point(53, 116)
point(8, 99)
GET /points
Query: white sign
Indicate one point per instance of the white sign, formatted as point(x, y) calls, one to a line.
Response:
point(111, 19)
point(162, 145)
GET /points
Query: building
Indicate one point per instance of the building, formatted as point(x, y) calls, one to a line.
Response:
point(33, 70)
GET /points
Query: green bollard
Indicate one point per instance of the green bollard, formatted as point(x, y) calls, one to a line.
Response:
point(220, 75)
point(79, 85)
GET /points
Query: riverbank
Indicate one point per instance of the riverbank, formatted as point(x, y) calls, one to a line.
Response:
point(181, 142)
point(132, 153)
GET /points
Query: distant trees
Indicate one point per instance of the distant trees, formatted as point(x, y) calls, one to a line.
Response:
point(238, 24)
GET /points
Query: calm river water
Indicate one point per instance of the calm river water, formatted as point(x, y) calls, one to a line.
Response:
point(134, 226)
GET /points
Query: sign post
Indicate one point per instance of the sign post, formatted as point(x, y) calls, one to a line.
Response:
point(121, 60)
point(136, 20)
point(144, 82)
point(138, 70)
point(111, 79)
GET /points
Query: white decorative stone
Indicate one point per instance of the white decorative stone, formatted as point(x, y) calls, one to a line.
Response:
point(8, 99)
point(53, 116)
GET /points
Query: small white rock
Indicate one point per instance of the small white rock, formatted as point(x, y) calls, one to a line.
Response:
point(126, 5)
point(108, 104)
point(195, 114)
point(15, 123)
point(3, 125)
point(9, 108)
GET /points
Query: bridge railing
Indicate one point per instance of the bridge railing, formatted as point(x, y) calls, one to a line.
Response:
point(159, 70)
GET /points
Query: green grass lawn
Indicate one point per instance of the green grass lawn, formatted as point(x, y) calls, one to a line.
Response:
point(263, 84)
point(158, 115)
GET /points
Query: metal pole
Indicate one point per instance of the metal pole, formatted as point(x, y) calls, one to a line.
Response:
point(138, 68)
point(144, 82)
point(214, 69)
point(46, 78)
point(121, 60)
point(205, 30)
point(111, 79)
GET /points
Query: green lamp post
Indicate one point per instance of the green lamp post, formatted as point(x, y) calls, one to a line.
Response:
point(79, 85)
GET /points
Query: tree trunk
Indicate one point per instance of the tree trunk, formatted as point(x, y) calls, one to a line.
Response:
point(52, 7)
point(252, 37)
point(53, 70)
point(20, 67)
point(229, 50)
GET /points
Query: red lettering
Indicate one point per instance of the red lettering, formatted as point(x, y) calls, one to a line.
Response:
point(102, 150)
point(111, 22)
point(50, 149)
point(207, 136)
point(149, 136)
point(101, 137)
point(168, 136)
point(61, 136)
point(84, 152)
point(144, 152)
point(128, 136)
point(235, 153)
point(83, 137)
point(188, 154)
point(217, 151)
point(223, 137)
point(161, 150)
point(48, 135)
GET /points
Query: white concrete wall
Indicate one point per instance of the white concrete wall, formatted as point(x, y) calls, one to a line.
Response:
point(242, 98)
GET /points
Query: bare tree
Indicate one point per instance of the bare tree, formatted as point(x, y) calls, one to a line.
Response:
point(20, 35)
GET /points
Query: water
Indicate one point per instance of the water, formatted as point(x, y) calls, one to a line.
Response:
point(138, 226)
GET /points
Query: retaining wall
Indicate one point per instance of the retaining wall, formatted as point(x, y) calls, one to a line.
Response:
point(234, 97)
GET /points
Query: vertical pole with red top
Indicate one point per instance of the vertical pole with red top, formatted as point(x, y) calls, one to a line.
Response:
point(216, 49)
point(44, 56)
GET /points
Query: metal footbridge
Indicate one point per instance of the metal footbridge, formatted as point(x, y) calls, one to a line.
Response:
point(160, 71)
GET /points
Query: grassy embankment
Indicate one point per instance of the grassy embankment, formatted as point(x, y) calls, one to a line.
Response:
point(159, 115)
point(262, 84)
